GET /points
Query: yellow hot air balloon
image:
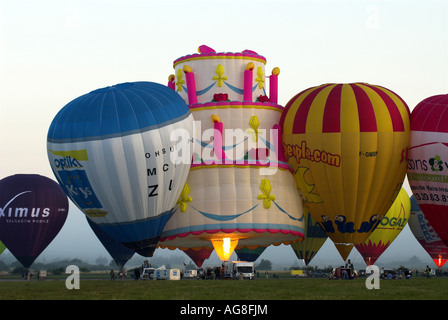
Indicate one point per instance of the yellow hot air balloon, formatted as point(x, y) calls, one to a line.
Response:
point(387, 230)
point(347, 144)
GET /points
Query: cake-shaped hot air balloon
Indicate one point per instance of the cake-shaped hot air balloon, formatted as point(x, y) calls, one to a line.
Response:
point(426, 235)
point(113, 153)
point(387, 230)
point(428, 159)
point(347, 145)
point(240, 192)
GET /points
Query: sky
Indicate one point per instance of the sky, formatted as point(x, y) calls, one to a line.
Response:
point(53, 51)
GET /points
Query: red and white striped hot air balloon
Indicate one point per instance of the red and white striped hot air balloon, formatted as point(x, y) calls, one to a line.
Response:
point(428, 161)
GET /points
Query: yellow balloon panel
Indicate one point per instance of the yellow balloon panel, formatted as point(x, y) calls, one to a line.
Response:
point(387, 230)
point(394, 221)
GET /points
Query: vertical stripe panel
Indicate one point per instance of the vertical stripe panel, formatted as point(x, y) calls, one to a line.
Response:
point(314, 121)
point(366, 114)
point(382, 115)
point(300, 118)
point(332, 112)
point(394, 112)
point(402, 107)
point(349, 109)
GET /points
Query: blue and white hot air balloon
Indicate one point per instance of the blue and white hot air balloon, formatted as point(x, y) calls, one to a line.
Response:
point(122, 155)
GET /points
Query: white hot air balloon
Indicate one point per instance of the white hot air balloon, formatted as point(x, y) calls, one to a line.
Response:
point(113, 153)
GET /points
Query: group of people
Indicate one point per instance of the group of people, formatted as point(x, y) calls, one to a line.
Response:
point(215, 273)
point(348, 272)
point(121, 274)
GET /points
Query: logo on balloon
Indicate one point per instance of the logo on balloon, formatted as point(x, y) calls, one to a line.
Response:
point(436, 164)
point(393, 222)
point(344, 226)
point(22, 214)
point(69, 159)
point(75, 182)
point(302, 151)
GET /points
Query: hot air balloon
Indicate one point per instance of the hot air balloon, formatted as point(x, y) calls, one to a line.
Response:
point(122, 154)
point(119, 253)
point(198, 255)
point(427, 161)
point(387, 230)
point(249, 254)
point(426, 235)
point(33, 209)
point(2, 247)
point(240, 192)
point(347, 145)
point(315, 237)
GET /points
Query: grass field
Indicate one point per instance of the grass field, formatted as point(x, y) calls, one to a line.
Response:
point(259, 289)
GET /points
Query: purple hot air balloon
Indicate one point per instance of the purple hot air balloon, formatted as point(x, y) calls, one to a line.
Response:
point(33, 209)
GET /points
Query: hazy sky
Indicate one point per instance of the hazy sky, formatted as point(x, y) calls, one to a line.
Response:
point(51, 52)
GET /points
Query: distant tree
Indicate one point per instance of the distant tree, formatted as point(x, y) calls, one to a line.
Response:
point(264, 265)
point(3, 266)
point(190, 266)
point(101, 260)
point(76, 261)
point(18, 271)
point(57, 271)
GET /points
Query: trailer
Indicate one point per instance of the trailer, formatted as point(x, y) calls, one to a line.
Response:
point(166, 274)
point(191, 274)
point(239, 270)
point(147, 273)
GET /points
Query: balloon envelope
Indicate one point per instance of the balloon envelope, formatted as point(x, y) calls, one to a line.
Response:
point(240, 197)
point(2, 247)
point(33, 210)
point(426, 234)
point(428, 159)
point(239, 188)
point(347, 145)
point(198, 255)
point(111, 151)
point(119, 253)
point(387, 230)
point(248, 254)
point(315, 237)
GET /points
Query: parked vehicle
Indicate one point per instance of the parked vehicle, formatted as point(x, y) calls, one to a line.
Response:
point(388, 274)
point(239, 270)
